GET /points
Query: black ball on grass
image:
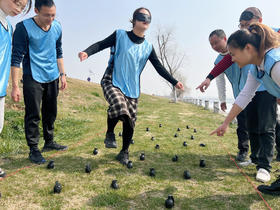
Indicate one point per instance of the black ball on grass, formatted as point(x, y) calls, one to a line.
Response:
point(88, 168)
point(57, 187)
point(114, 184)
point(142, 156)
point(202, 163)
point(129, 164)
point(50, 165)
point(95, 151)
point(175, 158)
point(187, 174)
point(152, 172)
point(169, 202)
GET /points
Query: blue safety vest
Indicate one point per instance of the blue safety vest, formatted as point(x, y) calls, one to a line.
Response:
point(129, 60)
point(264, 76)
point(237, 77)
point(5, 57)
point(42, 50)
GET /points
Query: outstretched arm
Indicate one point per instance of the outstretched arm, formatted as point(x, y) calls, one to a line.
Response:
point(243, 99)
point(223, 65)
point(97, 47)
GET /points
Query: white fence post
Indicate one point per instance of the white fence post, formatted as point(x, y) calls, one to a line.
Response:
point(216, 107)
point(206, 105)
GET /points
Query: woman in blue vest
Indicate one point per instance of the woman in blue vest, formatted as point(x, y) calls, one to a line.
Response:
point(258, 45)
point(121, 81)
point(11, 8)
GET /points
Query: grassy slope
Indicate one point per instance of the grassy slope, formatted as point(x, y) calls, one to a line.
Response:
point(81, 124)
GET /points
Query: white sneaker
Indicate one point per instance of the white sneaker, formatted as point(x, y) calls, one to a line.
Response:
point(246, 163)
point(263, 175)
point(2, 173)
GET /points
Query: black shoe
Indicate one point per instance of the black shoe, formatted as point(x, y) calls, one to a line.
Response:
point(53, 146)
point(241, 156)
point(278, 157)
point(35, 156)
point(273, 189)
point(123, 157)
point(110, 141)
point(2, 173)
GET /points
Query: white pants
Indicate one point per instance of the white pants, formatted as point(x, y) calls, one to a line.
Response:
point(2, 106)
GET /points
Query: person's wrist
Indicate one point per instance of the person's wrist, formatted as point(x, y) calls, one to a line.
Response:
point(210, 77)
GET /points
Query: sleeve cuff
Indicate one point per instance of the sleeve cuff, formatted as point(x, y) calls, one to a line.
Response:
point(210, 76)
point(16, 65)
point(175, 82)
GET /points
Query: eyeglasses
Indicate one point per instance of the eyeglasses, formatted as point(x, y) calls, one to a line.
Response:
point(246, 25)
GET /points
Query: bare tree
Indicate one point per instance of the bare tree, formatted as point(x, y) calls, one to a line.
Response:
point(169, 56)
point(180, 93)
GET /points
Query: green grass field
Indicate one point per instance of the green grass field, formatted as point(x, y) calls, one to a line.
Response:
point(81, 124)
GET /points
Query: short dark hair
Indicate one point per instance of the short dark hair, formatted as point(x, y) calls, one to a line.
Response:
point(137, 11)
point(40, 3)
point(219, 33)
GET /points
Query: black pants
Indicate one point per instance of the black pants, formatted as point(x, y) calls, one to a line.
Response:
point(242, 132)
point(261, 116)
point(34, 94)
point(128, 129)
point(277, 138)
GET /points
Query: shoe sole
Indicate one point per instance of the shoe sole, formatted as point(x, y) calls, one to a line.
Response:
point(263, 181)
point(36, 162)
point(246, 165)
point(240, 159)
point(110, 146)
point(49, 149)
point(118, 159)
point(270, 192)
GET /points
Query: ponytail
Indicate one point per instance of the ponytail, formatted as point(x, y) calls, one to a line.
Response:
point(259, 35)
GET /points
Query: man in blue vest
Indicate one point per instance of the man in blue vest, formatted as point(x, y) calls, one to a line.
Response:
point(37, 42)
point(237, 78)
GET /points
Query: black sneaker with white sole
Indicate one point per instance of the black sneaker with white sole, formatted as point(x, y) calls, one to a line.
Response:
point(2, 173)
